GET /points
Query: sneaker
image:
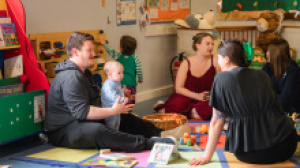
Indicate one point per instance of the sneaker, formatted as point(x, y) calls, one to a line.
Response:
point(177, 132)
point(157, 104)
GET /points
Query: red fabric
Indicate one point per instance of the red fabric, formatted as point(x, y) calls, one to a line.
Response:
point(180, 104)
point(36, 79)
point(23, 78)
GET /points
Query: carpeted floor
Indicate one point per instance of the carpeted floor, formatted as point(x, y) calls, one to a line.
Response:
point(28, 144)
point(20, 154)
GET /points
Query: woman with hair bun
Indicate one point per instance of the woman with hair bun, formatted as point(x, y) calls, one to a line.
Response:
point(259, 132)
point(193, 82)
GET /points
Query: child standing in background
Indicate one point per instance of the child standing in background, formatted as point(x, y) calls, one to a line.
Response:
point(131, 64)
point(111, 90)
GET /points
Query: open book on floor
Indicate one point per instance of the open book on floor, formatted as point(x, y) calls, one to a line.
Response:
point(107, 154)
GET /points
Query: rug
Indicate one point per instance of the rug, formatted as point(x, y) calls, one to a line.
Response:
point(61, 157)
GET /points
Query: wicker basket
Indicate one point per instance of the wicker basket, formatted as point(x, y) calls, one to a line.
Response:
point(166, 121)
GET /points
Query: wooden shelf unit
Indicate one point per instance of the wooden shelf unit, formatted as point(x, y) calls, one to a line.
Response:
point(50, 39)
point(10, 47)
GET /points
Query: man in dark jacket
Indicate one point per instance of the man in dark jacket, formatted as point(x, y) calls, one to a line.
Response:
point(75, 118)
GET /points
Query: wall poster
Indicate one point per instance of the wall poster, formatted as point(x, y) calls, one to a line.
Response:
point(167, 10)
point(126, 13)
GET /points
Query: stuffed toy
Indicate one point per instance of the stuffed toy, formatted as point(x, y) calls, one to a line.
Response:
point(198, 21)
point(259, 59)
point(269, 27)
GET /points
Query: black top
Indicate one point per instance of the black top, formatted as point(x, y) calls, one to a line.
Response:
point(255, 119)
point(287, 88)
point(70, 95)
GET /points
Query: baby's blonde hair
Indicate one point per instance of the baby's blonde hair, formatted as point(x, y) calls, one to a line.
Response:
point(110, 65)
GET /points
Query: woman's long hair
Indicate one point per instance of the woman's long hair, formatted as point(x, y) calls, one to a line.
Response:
point(279, 51)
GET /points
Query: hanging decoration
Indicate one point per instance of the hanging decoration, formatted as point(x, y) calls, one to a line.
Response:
point(239, 5)
point(255, 4)
point(295, 4)
point(276, 5)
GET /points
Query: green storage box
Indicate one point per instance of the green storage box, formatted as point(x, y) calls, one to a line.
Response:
point(21, 115)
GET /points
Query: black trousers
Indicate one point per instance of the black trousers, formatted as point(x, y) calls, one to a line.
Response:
point(133, 136)
point(280, 152)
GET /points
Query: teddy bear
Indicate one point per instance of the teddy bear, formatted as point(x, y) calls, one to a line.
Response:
point(269, 27)
point(198, 21)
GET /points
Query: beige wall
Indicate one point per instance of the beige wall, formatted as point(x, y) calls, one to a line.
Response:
point(155, 52)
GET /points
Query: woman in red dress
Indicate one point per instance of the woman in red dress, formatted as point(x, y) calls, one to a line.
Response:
point(193, 82)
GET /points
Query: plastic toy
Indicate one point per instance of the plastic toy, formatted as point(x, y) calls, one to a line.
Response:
point(269, 27)
point(203, 129)
point(188, 139)
point(198, 21)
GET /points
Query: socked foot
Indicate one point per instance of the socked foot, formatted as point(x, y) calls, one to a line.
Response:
point(194, 114)
point(177, 132)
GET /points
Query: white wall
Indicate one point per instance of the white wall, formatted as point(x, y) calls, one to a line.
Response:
point(155, 52)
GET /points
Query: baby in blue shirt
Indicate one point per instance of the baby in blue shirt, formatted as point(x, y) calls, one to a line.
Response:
point(111, 90)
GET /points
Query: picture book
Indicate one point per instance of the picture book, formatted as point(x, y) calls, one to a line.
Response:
point(9, 34)
point(13, 67)
point(107, 154)
point(39, 108)
point(11, 89)
point(3, 13)
point(163, 153)
point(2, 41)
point(5, 166)
point(5, 20)
point(101, 162)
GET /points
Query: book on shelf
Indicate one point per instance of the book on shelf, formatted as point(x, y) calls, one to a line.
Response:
point(9, 34)
point(3, 13)
point(11, 89)
point(13, 67)
point(5, 20)
point(10, 86)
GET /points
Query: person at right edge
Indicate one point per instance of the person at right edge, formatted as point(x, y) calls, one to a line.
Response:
point(284, 74)
point(259, 132)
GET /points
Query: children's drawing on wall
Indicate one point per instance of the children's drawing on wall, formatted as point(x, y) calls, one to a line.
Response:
point(144, 20)
point(164, 5)
point(126, 12)
point(153, 3)
point(166, 11)
point(174, 5)
point(39, 108)
point(184, 4)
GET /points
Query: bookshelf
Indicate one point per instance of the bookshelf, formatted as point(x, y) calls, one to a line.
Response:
point(22, 108)
point(10, 47)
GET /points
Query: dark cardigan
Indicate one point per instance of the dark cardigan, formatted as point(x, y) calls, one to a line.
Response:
point(287, 88)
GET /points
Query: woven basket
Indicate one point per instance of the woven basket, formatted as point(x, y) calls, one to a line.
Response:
point(166, 121)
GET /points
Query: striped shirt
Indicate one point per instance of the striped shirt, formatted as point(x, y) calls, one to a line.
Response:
point(131, 64)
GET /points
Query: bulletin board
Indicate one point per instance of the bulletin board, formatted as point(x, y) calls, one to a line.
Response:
point(259, 5)
point(167, 10)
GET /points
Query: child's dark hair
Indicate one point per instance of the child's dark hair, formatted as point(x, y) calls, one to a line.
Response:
point(235, 51)
point(128, 45)
point(197, 39)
